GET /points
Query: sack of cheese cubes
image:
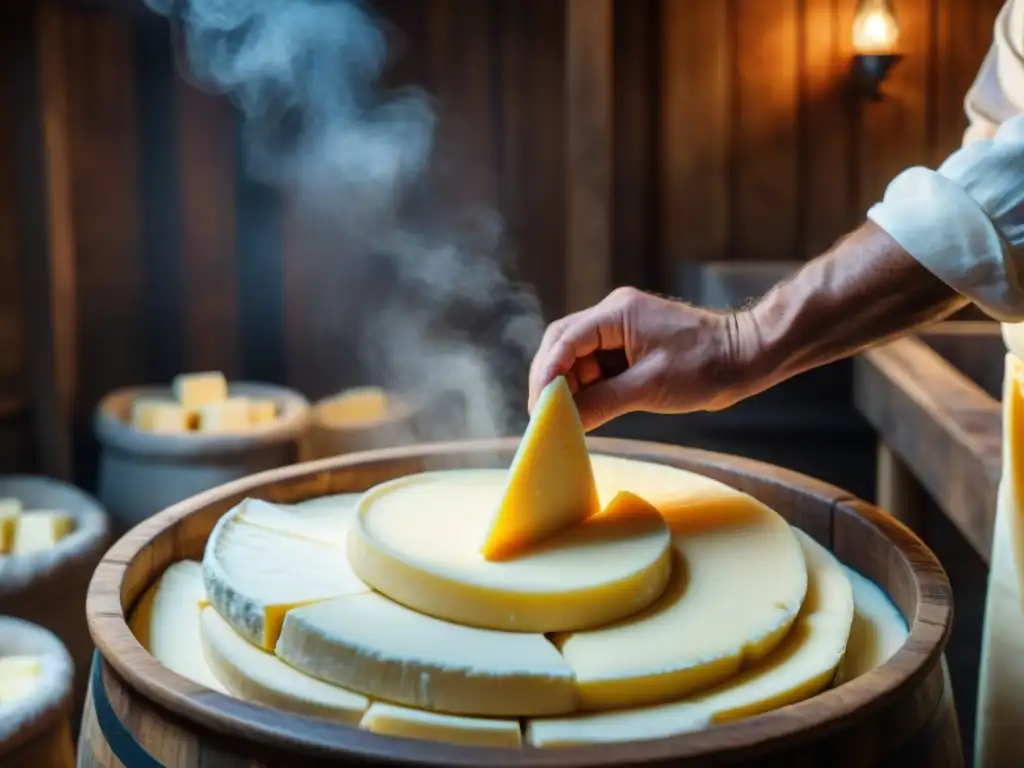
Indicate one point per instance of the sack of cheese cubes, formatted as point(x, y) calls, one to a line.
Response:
point(35, 698)
point(160, 445)
point(52, 537)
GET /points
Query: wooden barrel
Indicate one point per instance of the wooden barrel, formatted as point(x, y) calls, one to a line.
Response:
point(140, 714)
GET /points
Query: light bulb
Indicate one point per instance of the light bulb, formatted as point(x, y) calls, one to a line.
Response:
point(875, 30)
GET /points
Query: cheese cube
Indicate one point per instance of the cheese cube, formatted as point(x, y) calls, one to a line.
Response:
point(262, 410)
point(18, 675)
point(10, 511)
point(194, 390)
point(156, 415)
point(40, 529)
point(231, 415)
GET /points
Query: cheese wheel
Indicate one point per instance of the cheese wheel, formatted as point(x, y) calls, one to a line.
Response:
point(878, 629)
point(371, 645)
point(416, 540)
point(802, 666)
point(391, 720)
point(737, 584)
point(165, 621)
point(323, 522)
point(254, 575)
point(550, 485)
point(256, 675)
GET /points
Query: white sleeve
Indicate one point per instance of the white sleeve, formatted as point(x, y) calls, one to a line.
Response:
point(965, 222)
point(986, 104)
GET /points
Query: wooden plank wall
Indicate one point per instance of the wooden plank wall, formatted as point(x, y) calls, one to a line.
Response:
point(133, 245)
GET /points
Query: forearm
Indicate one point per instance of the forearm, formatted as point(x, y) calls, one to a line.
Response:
point(866, 290)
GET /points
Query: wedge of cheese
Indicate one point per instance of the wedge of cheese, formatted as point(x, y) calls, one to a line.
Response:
point(39, 530)
point(738, 575)
point(371, 645)
point(415, 540)
point(159, 415)
point(165, 621)
point(10, 511)
point(322, 523)
point(257, 675)
point(254, 576)
point(550, 483)
point(230, 415)
point(391, 720)
point(878, 631)
point(19, 676)
point(194, 390)
point(802, 666)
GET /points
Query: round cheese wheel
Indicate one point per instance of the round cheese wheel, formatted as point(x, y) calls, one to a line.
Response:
point(417, 540)
point(738, 581)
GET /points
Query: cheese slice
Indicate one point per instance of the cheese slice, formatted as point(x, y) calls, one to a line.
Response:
point(257, 675)
point(230, 415)
point(262, 410)
point(550, 483)
point(415, 541)
point(40, 530)
point(878, 631)
point(738, 581)
point(324, 524)
point(391, 720)
point(1000, 707)
point(165, 621)
point(254, 576)
point(159, 415)
point(802, 666)
point(371, 645)
point(10, 511)
point(194, 390)
point(19, 676)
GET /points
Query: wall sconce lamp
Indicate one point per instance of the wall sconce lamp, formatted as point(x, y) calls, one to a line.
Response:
point(876, 37)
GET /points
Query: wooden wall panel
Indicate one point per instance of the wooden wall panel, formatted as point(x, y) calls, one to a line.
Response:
point(207, 157)
point(695, 163)
point(765, 164)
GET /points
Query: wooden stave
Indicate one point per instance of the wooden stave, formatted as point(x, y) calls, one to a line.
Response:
point(869, 717)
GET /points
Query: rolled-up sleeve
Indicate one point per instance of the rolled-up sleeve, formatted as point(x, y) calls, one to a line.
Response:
point(965, 222)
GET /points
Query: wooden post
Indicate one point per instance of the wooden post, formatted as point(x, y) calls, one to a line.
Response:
point(589, 151)
point(897, 491)
point(48, 239)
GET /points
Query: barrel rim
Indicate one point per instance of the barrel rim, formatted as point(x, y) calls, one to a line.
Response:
point(835, 708)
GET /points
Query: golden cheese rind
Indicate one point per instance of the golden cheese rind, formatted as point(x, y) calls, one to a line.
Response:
point(414, 541)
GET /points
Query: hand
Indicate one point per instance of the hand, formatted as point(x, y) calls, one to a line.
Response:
point(680, 358)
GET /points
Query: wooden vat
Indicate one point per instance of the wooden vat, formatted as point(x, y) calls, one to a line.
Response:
point(900, 713)
point(142, 472)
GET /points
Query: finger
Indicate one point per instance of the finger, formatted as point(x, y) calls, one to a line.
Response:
point(587, 370)
point(552, 334)
point(610, 398)
point(594, 331)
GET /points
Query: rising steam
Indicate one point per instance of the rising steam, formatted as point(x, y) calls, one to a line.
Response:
point(438, 316)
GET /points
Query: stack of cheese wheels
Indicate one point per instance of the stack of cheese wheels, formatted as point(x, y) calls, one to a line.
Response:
point(572, 599)
point(161, 445)
point(35, 698)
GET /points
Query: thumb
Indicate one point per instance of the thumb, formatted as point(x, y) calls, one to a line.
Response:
point(608, 399)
